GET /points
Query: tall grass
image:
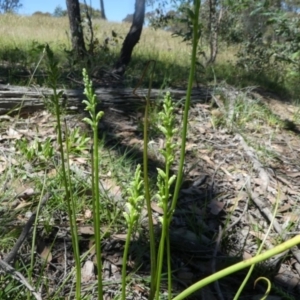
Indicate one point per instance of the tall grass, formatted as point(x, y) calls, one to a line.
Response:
point(20, 31)
point(23, 38)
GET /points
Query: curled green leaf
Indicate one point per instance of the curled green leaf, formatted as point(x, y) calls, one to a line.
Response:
point(100, 114)
point(268, 289)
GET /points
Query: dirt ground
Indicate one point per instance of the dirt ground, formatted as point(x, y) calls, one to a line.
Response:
point(233, 180)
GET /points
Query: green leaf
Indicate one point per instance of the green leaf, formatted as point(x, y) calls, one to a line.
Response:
point(296, 55)
point(86, 102)
point(161, 173)
point(162, 129)
point(127, 218)
point(88, 121)
point(191, 14)
point(171, 180)
point(100, 114)
point(158, 197)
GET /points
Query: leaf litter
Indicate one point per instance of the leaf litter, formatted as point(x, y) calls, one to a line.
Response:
point(233, 179)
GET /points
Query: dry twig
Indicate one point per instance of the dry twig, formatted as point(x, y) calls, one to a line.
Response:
point(19, 277)
point(12, 254)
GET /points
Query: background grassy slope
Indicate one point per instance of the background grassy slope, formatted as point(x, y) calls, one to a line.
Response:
point(22, 40)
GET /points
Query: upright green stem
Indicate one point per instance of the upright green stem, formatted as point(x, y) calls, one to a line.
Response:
point(54, 74)
point(169, 263)
point(69, 198)
point(34, 235)
point(161, 253)
point(93, 121)
point(132, 214)
point(187, 104)
point(126, 249)
point(73, 209)
point(149, 209)
point(96, 208)
point(166, 219)
point(147, 196)
point(165, 181)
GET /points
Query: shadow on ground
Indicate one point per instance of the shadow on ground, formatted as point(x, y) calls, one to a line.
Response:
point(201, 241)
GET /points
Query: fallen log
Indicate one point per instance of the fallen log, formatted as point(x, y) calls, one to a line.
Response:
point(34, 98)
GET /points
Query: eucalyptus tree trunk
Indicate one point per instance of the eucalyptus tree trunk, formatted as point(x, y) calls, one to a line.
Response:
point(103, 16)
point(213, 23)
point(132, 38)
point(76, 28)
